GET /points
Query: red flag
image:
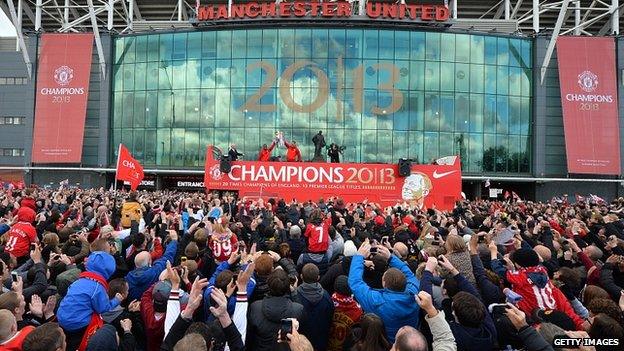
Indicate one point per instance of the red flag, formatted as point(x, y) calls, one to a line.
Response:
point(128, 168)
point(515, 196)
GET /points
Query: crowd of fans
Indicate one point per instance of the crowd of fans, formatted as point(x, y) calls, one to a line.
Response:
point(96, 270)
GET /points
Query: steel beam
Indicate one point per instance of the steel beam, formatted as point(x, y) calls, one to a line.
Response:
point(111, 12)
point(553, 39)
point(130, 13)
point(615, 17)
point(536, 13)
point(181, 6)
point(38, 5)
point(19, 22)
point(98, 42)
point(81, 19)
point(454, 8)
point(66, 13)
point(20, 38)
point(507, 5)
point(577, 17)
point(516, 9)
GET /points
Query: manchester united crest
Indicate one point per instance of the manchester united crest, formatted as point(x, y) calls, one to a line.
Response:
point(63, 75)
point(588, 81)
point(215, 172)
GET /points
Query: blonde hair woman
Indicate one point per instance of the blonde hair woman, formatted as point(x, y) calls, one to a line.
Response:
point(457, 253)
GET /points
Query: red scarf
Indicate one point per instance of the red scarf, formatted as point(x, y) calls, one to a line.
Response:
point(96, 321)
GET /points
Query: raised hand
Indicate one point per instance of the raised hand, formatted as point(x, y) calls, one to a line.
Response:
point(36, 306)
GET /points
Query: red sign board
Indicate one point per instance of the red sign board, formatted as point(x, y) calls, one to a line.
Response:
point(588, 78)
point(62, 91)
point(426, 186)
point(337, 9)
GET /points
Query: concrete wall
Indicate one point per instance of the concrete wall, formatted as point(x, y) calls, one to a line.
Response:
point(16, 101)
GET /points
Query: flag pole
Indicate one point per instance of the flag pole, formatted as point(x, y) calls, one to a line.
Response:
point(117, 166)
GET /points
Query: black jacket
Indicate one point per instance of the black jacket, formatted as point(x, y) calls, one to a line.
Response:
point(319, 310)
point(264, 321)
point(233, 154)
point(178, 329)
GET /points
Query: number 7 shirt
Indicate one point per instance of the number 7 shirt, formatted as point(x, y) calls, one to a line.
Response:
point(318, 237)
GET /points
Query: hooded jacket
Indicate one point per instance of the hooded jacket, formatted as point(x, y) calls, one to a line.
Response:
point(140, 279)
point(22, 233)
point(86, 296)
point(265, 318)
point(319, 309)
point(395, 308)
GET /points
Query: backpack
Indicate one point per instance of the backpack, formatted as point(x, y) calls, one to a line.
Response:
point(130, 211)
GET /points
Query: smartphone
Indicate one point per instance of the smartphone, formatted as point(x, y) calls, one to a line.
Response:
point(292, 280)
point(384, 239)
point(435, 243)
point(241, 247)
point(183, 259)
point(481, 239)
point(498, 308)
point(32, 247)
point(373, 250)
point(424, 255)
point(285, 328)
point(14, 276)
point(235, 278)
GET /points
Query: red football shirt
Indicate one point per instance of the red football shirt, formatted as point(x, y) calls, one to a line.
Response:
point(20, 237)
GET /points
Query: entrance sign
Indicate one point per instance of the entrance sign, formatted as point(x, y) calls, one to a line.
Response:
point(426, 186)
point(587, 78)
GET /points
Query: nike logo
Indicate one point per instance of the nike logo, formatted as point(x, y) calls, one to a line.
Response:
point(437, 175)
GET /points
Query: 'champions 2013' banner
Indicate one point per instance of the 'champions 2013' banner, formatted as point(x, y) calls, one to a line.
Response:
point(425, 187)
point(62, 91)
point(587, 76)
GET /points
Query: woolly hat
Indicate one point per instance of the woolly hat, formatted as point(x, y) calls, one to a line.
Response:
point(105, 339)
point(349, 248)
point(341, 285)
point(525, 257)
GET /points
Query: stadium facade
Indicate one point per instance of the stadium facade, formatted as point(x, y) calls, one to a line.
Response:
point(479, 80)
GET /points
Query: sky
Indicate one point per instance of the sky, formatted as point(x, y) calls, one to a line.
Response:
point(6, 27)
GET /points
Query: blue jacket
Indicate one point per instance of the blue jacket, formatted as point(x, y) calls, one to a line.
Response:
point(251, 285)
point(396, 309)
point(86, 296)
point(140, 279)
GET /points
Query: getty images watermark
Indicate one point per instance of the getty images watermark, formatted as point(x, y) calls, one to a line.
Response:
point(571, 342)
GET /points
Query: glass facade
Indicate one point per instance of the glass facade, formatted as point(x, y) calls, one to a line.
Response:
point(383, 94)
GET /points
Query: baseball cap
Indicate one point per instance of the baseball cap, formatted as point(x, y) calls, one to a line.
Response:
point(160, 295)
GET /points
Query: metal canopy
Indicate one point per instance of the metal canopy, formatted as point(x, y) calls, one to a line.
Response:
point(526, 17)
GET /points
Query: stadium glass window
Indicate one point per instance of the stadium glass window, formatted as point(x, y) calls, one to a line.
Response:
point(176, 93)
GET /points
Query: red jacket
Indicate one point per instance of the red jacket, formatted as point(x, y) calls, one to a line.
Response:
point(318, 236)
point(154, 322)
point(539, 292)
point(293, 154)
point(265, 154)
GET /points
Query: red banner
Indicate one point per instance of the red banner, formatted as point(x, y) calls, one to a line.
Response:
point(128, 169)
point(62, 91)
point(588, 78)
point(426, 186)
